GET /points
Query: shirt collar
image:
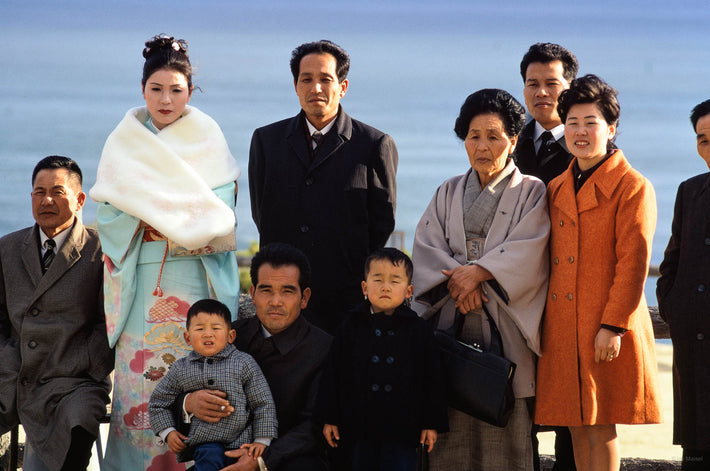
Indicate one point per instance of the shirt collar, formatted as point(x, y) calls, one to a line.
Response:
point(286, 340)
point(224, 353)
point(58, 239)
point(558, 131)
point(324, 131)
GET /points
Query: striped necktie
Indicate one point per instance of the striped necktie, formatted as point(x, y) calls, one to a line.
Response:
point(48, 255)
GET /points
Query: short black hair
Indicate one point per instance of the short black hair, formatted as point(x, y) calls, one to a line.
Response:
point(209, 306)
point(342, 60)
point(550, 52)
point(493, 101)
point(56, 162)
point(698, 112)
point(397, 257)
point(278, 254)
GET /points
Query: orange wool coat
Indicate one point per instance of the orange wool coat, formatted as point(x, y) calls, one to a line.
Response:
point(600, 247)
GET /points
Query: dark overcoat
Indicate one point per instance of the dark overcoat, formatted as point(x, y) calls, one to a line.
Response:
point(336, 207)
point(527, 161)
point(683, 293)
point(383, 378)
point(53, 344)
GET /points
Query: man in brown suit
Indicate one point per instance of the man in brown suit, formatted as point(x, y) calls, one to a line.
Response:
point(53, 344)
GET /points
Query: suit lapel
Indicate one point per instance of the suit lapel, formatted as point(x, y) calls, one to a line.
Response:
point(297, 141)
point(68, 254)
point(339, 134)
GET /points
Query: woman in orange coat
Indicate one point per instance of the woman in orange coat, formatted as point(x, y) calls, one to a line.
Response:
point(598, 365)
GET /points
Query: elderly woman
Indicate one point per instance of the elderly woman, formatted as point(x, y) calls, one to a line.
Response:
point(598, 356)
point(483, 240)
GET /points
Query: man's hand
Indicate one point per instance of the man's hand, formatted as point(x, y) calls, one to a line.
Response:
point(209, 405)
point(331, 434)
point(244, 461)
point(176, 441)
point(428, 437)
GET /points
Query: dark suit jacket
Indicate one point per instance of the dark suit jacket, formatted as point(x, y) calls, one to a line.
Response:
point(293, 372)
point(526, 158)
point(53, 344)
point(336, 208)
point(683, 292)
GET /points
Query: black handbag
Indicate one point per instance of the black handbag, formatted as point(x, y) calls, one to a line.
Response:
point(479, 382)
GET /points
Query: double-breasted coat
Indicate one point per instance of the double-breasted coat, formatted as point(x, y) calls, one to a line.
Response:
point(600, 248)
point(683, 293)
point(336, 206)
point(55, 358)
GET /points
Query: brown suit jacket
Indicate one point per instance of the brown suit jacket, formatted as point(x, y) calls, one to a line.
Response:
point(53, 344)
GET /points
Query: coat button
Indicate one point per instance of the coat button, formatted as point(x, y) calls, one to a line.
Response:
point(556, 260)
point(390, 332)
point(569, 296)
point(304, 228)
point(309, 181)
point(24, 381)
point(375, 387)
point(390, 360)
point(378, 333)
point(388, 388)
point(210, 382)
point(707, 241)
point(700, 336)
point(32, 344)
point(210, 361)
point(34, 311)
point(554, 297)
point(701, 288)
point(562, 223)
point(571, 260)
point(375, 359)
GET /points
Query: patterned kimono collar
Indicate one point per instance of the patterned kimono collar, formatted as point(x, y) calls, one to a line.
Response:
point(479, 204)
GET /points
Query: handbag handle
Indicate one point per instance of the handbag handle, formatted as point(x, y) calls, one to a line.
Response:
point(496, 345)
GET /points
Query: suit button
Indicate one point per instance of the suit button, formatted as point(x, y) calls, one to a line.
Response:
point(571, 260)
point(304, 228)
point(309, 181)
point(388, 388)
point(569, 296)
point(34, 311)
point(390, 360)
point(375, 359)
point(556, 260)
point(701, 288)
point(24, 381)
point(700, 336)
point(32, 344)
point(554, 297)
point(707, 241)
point(375, 387)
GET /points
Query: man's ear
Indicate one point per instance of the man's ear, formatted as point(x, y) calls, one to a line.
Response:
point(305, 296)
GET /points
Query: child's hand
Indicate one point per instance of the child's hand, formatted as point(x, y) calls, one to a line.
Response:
point(331, 435)
point(254, 450)
point(428, 437)
point(176, 441)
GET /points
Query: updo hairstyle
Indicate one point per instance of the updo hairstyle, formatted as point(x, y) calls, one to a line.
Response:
point(491, 101)
point(165, 52)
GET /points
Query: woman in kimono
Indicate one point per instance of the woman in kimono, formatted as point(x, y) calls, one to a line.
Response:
point(166, 188)
point(598, 364)
point(483, 240)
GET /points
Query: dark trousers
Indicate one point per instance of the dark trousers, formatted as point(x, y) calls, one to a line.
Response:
point(79, 453)
point(564, 452)
point(210, 457)
point(304, 463)
point(695, 460)
point(383, 455)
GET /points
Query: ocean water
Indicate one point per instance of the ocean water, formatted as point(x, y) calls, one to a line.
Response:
point(70, 71)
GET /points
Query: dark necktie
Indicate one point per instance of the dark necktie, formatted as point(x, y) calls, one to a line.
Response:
point(48, 255)
point(546, 141)
point(317, 138)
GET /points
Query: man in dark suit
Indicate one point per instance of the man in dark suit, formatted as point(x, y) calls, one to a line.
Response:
point(53, 344)
point(290, 351)
point(324, 183)
point(683, 300)
point(547, 69)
